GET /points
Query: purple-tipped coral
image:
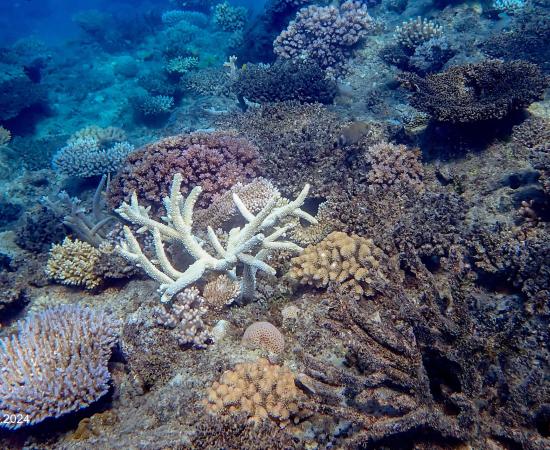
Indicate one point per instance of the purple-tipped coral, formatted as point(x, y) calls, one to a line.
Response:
point(326, 35)
point(56, 364)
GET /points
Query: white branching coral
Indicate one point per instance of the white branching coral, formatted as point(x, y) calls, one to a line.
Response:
point(247, 246)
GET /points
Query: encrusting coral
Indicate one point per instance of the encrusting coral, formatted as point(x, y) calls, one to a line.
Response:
point(348, 263)
point(260, 390)
point(73, 263)
point(55, 364)
point(247, 246)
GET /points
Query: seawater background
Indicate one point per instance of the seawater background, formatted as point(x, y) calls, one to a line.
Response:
point(51, 20)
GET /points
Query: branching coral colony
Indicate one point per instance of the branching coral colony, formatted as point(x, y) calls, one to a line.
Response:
point(248, 246)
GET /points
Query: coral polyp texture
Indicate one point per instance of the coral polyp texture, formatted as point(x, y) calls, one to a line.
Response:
point(87, 157)
point(326, 35)
point(73, 263)
point(247, 247)
point(229, 18)
point(220, 292)
point(260, 390)
point(184, 316)
point(481, 91)
point(55, 364)
point(264, 336)
point(215, 161)
point(417, 31)
point(394, 165)
point(347, 263)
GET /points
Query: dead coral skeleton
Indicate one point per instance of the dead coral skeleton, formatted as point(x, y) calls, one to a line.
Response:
point(247, 246)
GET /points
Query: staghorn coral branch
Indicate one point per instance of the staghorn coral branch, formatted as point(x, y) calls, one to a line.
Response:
point(247, 245)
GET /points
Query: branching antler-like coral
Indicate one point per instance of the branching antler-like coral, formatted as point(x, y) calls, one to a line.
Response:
point(247, 245)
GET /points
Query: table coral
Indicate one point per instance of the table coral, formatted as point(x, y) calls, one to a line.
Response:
point(55, 364)
point(259, 389)
point(215, 161)
point(481, 91)
point(349, 263)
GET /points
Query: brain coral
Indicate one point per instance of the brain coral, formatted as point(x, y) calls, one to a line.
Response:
point(348, 263)
point(490, 89)
point(326, 35)
point(55, 364)
point(259, 390)
point(215, 161)
point(265, 336)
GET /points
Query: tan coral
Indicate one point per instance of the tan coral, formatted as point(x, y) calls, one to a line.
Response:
point(260, 390)
point(265, 336)
point(220, 292)
point(348, 263)
point(73, 263)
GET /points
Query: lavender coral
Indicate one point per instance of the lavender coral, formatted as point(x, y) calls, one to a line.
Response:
point(326, 35)
point(55, 364)
point(216, 161)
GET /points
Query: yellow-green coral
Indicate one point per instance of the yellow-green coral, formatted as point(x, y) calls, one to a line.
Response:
point(349, 263)
point(5, 136)
point(72, 263)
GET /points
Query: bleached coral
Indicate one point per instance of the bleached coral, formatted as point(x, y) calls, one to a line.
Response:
point(73, 263)
point(184, 316)
point(347, 263)
point(259, 390)
point(246, 246)
point(55, 364)
point(87, 157)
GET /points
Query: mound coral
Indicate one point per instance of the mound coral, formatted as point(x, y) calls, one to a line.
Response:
point(55, 364)
point(216, 161)
point(259, 390)
point(73, 263)
point(184, 316)
point(264, 336)
point(86, 157)
point(490, 89)
point(326, 35)
point(348, 263)
point(246, 246)
point(17, 91)
point(284, 80)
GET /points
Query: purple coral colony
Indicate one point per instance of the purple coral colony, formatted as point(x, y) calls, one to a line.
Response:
point(275, 225)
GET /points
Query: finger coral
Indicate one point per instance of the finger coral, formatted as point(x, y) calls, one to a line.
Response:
point(259, 390)
point(73, 263)
point(415, 32)
point(348, 263)
point(215, 161)
point(55, 364)
point(490, 89)
point(326, 35)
